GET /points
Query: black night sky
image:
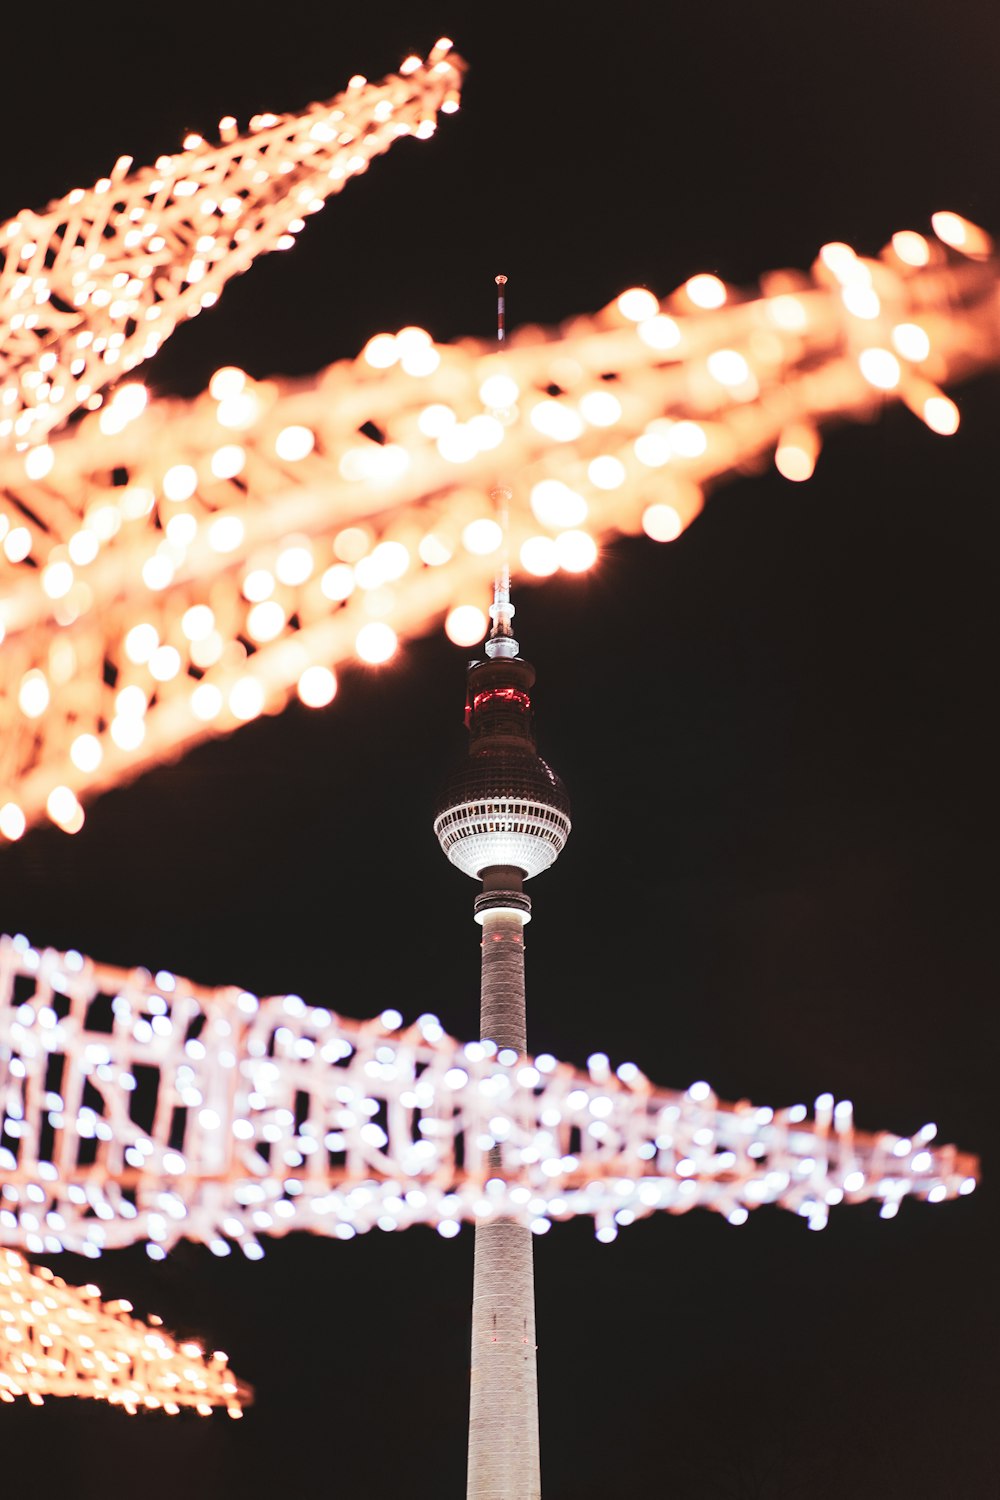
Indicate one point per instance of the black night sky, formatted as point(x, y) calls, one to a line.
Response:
point(777, 734)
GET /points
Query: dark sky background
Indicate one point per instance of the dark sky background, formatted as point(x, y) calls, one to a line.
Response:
point(777, 734)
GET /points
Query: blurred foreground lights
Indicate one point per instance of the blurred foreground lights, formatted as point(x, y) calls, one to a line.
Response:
point(539, 556)
point(180, 482)
point(606, 472)
point(381, 352)
point(795, 455)
point(64, 810)
point(600, 408)
point(295, 563)
point(182, 529)
point(12, 821)
point(33, 696)
point(911, 248)
point(556, 421)
point(83, 548)
point(880, 368)
point(206, 702)
point(497, 392)
point(164, 663)
point(257, 585)
point(861, 301)
point(435, 419)
point(556, 505)
point(911, 341)
point(38, 461)
point(941, 415)
point(662, 523)
point(728, 367)
point(961, 234)
point(465, 625)
point(706, 291)
point(687, 439)
point(86, 753)
point(660, 332)
point(576, 551)
point(457, 444)
point(652, 448)
point(637, 304)
point(228, 461)
point(485, 431)
point(17, 544)
point(337, 582)
point(57, 580)
point(433, 552)
point(157, 572)
point(227, 383)
point(125, 405)
point(225, 533)
point(786, 312)
point(391, 561)
point(317, 687)
point(266, 621)
point(198, 622)
point(294, 443)
point(482, 537)
point(246, 698)
point(127, 733)
point(238, 413)
point(376, 642)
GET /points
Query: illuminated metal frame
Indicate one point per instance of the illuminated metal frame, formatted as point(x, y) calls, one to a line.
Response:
point(260, 542)
point(211, 1115)
point(61, 1340)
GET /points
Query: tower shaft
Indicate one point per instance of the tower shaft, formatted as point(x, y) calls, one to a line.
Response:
point(503, 1403)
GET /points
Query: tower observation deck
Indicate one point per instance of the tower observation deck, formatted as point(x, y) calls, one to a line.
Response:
point(502, 818)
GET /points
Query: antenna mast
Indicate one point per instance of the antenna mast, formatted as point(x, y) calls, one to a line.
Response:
point(501, 640)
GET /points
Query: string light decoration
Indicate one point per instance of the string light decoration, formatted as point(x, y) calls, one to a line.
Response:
point(140, 1107)
point(59, 1340)
point(172, 569)
point(93, 285)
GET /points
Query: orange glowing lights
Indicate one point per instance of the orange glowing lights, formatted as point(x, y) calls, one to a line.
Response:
point(213, 604)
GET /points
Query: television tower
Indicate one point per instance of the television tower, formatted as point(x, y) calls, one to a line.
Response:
point(503, 817)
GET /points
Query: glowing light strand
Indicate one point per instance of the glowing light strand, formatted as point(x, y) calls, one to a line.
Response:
point(93, 285)
point(261, 541)
point(213, 1116)
point(60, 1340)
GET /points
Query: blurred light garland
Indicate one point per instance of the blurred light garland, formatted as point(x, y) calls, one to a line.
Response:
point(59, 1340)
point(180, 1111)
point(95, 283)
point(174, 569)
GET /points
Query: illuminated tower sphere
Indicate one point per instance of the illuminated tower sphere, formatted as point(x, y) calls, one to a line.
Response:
point(503, 817)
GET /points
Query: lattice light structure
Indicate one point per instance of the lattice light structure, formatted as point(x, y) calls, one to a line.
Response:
point(93, 285)
point(139, 1107)
point(173, 570)
point(60, 1340)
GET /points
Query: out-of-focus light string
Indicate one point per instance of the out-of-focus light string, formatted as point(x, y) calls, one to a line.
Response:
point(185, 1112)
point(261, 537)
point(60, 1340)
point(94, 284)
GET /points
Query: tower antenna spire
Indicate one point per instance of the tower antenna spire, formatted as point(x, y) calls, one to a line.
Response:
point(501, 640)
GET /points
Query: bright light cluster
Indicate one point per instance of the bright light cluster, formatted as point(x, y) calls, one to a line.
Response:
point(172, 570)
point(59, 1340)
point(139, 1107)
point(92, 286)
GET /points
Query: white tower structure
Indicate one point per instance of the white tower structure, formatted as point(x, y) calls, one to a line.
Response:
point(503, 817)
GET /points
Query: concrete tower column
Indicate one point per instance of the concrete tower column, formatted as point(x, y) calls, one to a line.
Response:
point(502, 818)
point(503, 1402)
